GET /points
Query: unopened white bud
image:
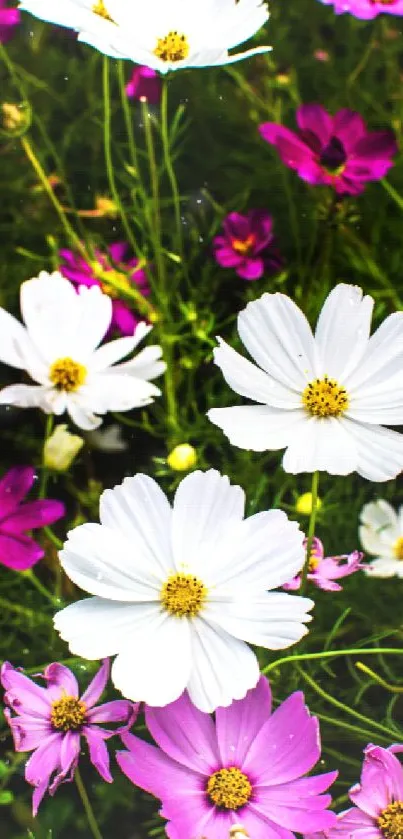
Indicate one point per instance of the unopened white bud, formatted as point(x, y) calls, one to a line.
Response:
point(61, 448)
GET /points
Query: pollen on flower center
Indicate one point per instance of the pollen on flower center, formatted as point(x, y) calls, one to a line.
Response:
point(229, 788)
point(313, 563)
point(101, 10)
point(390, 821)
point(67, 374)
point(398, 548)
point(68, 713)
point(174, 47)
point(244, 246)
point(325, 398)
point(183, 595)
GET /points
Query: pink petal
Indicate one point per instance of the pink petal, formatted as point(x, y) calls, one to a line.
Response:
point(348, 127)
point(293, 151)
point(227, 257)
point(354, 822)
point(123, 318)
point(28, 732)
point(238, 725)
point(118, 709)
point(287, 746)
point(98, 684)
point(44, 761)
point(297, 806)
point(19, 552)
point(150, 769)
point(381, 781)
point(251, 269)
point(312, 118)
point(259, 827)
point(186, 734)
point(99, 756)
point(33, 515)
point(60, 681)
point(23, 695)
point(118, 251)
point(69, 754)
point(14, 486)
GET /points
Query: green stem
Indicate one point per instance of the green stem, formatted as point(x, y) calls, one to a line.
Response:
point(41, 588)
point(45, 471)
point(311, 529)
point(170, 169)
point(87, 806)
point(30, 614)
point(108, 155)
point(331, 654)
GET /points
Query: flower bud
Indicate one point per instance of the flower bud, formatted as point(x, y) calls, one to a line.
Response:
point(61, 448)
point(14, 119)
point(304, 504)
point(182, 458)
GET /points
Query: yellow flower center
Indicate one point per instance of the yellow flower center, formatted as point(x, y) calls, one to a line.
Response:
point(325, 398)
point(101, 10)
point(67, 374)
point(68, 713)
point(229, 788)
point(244, 246)
point(174, 47)
point(390, 822)
point(398, 548)
point(313, 563)
point(183, 595)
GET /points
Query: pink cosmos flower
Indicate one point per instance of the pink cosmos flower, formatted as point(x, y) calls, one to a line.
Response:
point(246, 768)
point(80, 272)
point(324, 570)
point(366, 9)
point(51, 720)
point(337, 151)
point(247, 245)
point(144, 85)
point(17, 550)
point(9, 19)
point(378, 798)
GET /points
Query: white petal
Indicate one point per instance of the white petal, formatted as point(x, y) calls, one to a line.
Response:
point(380, 451)
point(13, 341)
point(110, 391)
point(225, 59)
point(81, 414)
point(49, 307)
point(102, 561)
point(155, 664)
point(205, 507)
point(111, 352)
point(139, 509)
point(224, 668)
point(95, 628)
point(262, 552)
point(321, 444)
point(383, 404)
point(258, 427)
point(237, 22)
point(382, 359)
point(278, 336)
point(101, 43)
point(274, 620)
point(379, 528)
point(379, 515)
point(343, 329)
point(385, 568)
point(249, 380)
point(93, 319)
point(146, 365)
point(26, 396)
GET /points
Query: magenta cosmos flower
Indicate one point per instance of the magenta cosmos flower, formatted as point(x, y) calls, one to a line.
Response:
point(246, 768)
point(80, 272)
point(378, 799)
point(247, 245)
point(51, 720)
point(17, 550)
point(336, 151)
point(9, 19)
point(144, 85)
point(366, 9)
point(324, 570)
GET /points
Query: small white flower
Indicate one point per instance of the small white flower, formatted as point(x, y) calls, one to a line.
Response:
point(163, 34)
point(381, 535)
point(323, 397)
point(58, 348)
point(179, 591)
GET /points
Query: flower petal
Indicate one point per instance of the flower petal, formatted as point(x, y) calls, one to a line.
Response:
point(60, 681)
point(97, 685)
point(152, 770)
point(342, 331)
point(249, 380)
point(273, 620)
point(95, 628)
point(323, 444)
point(33, 515)
point(258, 428)
point(239, 723)
point(99, 755)
point(14, 486)
point(23, 695)
point(379, 450)
point(184, 733)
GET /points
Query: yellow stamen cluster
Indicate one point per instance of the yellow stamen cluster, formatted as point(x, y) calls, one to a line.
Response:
point(398, 548)
point(183, 595)
point(390, 822)
point(101, 10)
point(244, 246)
point(325, 398)
point(229, 788)
point(174, 47)
point(68, 713)
point(67, 374)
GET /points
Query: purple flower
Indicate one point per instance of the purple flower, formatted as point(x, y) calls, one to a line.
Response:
point(51, 720)
point(144, 85)
point(9, 19)
point(80, 272)
point(378, 798)
point(366, 9)
point(248, 245)
point(246, 768)
point(337, 151)
point(17, 550)
point(323, 570)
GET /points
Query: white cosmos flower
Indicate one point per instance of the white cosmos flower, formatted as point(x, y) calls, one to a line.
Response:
point(58, 348)
point(323, 397)
point(381, 535)
point(177, 592)
point(163, 34)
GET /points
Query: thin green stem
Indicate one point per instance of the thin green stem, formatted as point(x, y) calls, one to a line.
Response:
point(331, 654)
point(170, 169)
point(311, 528)
point(30, 614)
point(43, 482)
point(378, 679)
point(87, 805)
point(41, 588)
point(108, 154)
